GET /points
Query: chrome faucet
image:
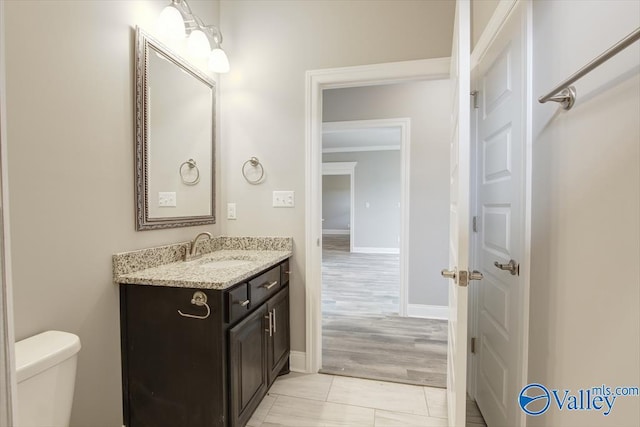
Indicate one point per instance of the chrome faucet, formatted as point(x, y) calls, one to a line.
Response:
point(193, 252)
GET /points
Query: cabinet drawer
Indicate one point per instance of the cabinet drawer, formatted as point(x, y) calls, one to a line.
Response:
point(284, 272)
point(264, 286)
point(237, 301)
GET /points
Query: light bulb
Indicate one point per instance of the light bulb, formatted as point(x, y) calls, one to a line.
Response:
point(198, 44)
point(218, 61)
point(170, 24)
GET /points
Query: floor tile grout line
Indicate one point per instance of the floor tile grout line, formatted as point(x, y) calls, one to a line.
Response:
point(370, 407)
point(326, 399)
point(347, 404)
point(426, 401)
point(271, 407)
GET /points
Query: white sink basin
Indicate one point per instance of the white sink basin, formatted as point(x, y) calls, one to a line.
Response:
point(225, 263)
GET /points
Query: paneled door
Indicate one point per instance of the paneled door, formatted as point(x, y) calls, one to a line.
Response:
point(500, 82)
point(459, 218)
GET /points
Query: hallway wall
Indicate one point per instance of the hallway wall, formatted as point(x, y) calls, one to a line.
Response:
point(336, 203)
point(376, 197)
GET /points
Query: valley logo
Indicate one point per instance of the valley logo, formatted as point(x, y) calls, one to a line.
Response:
point(535, 399)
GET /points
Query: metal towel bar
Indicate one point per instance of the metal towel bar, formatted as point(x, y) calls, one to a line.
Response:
point(565, 94)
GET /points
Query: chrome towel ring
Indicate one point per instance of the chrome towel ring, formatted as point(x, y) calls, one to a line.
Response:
point(192, 165)
point(255, 163)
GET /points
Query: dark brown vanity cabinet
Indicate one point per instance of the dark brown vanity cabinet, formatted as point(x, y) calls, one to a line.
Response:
point(208, 370)
point(278, 343)
point(252, 371)
point(248, 366)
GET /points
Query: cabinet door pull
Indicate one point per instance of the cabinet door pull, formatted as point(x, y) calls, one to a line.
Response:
point(270, 330)
point(268, 286)
point(199, 298)
point(243, 303)
point(274, 321)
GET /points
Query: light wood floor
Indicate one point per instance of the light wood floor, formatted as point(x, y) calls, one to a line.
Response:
point(363, 336)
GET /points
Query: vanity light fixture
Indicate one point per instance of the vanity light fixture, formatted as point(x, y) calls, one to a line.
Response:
point(177, 21)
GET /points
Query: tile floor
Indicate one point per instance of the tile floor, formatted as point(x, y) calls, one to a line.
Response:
point(306, 400)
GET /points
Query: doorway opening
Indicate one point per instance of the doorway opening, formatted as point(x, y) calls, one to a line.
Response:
point(369, 277)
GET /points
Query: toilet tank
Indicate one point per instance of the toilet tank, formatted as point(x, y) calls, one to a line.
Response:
point(46, 374)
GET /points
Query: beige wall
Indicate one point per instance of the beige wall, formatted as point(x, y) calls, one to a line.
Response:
point(428, 105)
point(481, 11)
point(271, 44)
point(70, 138)
point(585, 321)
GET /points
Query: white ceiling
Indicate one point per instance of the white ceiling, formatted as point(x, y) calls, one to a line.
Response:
point(368, 139)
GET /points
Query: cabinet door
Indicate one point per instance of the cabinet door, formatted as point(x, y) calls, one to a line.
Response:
point(248, 365)
point(172, 365)
point(278, 349)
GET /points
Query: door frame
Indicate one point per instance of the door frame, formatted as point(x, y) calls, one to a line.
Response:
point(8, 390)
point(345, 169)
point(500, 16)
point(315, 82)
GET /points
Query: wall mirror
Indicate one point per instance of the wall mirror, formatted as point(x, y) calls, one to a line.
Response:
point(175, 139)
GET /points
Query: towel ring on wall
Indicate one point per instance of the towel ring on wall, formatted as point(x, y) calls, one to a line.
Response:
point(255, 163)
point(192, 165)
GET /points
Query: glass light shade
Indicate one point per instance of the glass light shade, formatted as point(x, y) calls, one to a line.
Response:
point(170, 24)
point(218, 61)
point(198, 44)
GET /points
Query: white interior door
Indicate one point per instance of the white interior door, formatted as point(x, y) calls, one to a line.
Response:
point(459, 218)
point(500, 81)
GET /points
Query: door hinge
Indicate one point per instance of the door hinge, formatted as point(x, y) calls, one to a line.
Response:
point(474, 224)
point(474, 93)
point(473, 345)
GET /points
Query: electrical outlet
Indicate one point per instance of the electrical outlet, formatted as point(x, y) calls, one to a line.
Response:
point(231, 211)
point(166, 199)
point(283, 199)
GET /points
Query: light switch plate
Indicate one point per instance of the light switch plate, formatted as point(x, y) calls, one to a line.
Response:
point(283, 199)
point(166, 199)
point(231, 211)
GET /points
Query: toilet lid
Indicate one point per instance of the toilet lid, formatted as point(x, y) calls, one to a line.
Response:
point(40, 352)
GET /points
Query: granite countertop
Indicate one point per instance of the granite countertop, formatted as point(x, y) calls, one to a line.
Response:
point(225, 263)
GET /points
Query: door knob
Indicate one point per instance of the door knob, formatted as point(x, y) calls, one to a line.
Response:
point(462, 277)
point(449, 274)
point(512, 267)
point(476, 275)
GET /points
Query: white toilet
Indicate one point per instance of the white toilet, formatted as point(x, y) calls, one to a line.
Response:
point(46, 375)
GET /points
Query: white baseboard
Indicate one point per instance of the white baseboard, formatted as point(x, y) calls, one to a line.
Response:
point(333, 231)
point(428, 311)
point(298, 361)
point(361, 250)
